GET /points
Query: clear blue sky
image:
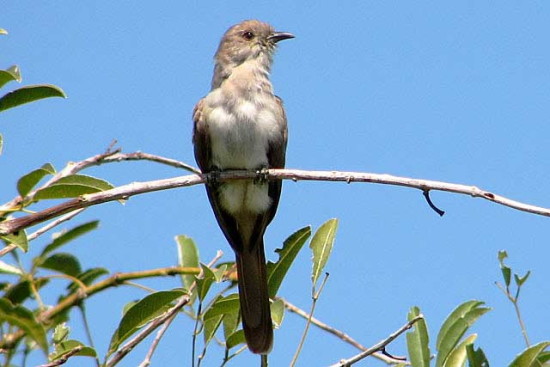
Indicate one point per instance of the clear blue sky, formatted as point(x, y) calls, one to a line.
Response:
point(452, 92)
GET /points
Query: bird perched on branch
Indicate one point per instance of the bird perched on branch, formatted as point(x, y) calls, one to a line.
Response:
point(241, 125)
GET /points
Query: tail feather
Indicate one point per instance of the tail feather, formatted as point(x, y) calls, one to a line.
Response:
point(254, 299)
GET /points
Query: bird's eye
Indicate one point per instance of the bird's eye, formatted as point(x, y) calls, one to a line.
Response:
point(248, 35)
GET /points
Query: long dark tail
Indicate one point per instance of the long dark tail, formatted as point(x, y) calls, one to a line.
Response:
point(254, 298)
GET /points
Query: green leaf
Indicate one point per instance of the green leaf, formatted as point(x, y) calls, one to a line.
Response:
point(28, 94)
point(19, 239)
point(62, 262)
point(144, 311)
point(455, 326)
point(65, 347)
point(455, 315)
point(61, 333)
point(237, 338)
point(24, 319)
point(277, 312)
point(529, 357)
point(87, 277)
point(10, 74)
point(277, 271)
point(204, 282)
point(321, 246)
point(520, 280)
point(457, 357)
point(72, 186)
point(502, 255)
point(506, 274)
point(188, 257)
point(70, 235)
point(230, 323)
point(9, 269)
point(476, 358)
point(128, 306)
point(219, 273)
point(19, 292)
point(544, 357)
point(16, 72)
point(417, 341)
point(222, 306)
point(210, 327)
point(29, 181)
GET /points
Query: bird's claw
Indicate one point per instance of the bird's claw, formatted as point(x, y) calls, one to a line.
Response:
point(213, 177)
point(261, 176)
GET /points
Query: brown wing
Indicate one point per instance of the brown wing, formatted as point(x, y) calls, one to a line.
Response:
point(276, 157)
point(203, 153)
point(201, 138)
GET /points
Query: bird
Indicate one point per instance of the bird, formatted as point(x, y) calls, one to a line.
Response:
point(242, 125)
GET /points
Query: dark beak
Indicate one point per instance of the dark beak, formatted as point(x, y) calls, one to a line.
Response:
point(279, 36)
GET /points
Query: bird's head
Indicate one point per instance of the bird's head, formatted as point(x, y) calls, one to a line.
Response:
point(249, 40)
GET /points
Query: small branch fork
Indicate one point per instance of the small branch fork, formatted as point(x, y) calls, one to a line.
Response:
point(82, 293)
point(339, 334)
point(65, 358)
point(379, 347)
point(124, 192)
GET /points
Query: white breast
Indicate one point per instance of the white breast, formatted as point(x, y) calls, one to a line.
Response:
point(240, 131)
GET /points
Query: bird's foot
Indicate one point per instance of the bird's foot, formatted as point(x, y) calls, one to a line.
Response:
point(213, 177)
point(262, 175)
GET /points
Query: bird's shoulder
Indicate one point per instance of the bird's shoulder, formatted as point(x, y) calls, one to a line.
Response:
point(198, 111)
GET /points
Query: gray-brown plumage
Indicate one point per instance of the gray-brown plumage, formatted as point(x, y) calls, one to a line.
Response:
point(241, 124)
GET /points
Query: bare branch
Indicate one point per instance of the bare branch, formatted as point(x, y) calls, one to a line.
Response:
point(379, 347)
point(139, 156)
point(127, 348)
point(109, 156)
point(82, 293)
point(165, 322)
point(126, 191)
point(340, 334)
point(147, 361)
point(315, 297)
point(64, 358)
point(53, 224)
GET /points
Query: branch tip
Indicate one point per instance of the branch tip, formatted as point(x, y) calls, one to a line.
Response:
point(387, 354)
point(431, 204)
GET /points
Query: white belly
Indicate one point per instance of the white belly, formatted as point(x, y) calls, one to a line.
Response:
point(239, 139)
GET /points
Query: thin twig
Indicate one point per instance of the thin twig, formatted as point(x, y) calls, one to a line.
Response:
point(514, 300)
point(522, 324)
point(126, 191)
point(7, 249)
point(109, 156)
point(65, 358)
point(315, 297)
point(228, 358)
point(147, 361)
point(70, 169)
point(88, 332)
point(54, 223)
point(218, 256)
point(9, 340)
point(432, 205)
point(138, 156)
point(43, 230)
point(379, 346)
point(340, 334)
point(127, 348)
